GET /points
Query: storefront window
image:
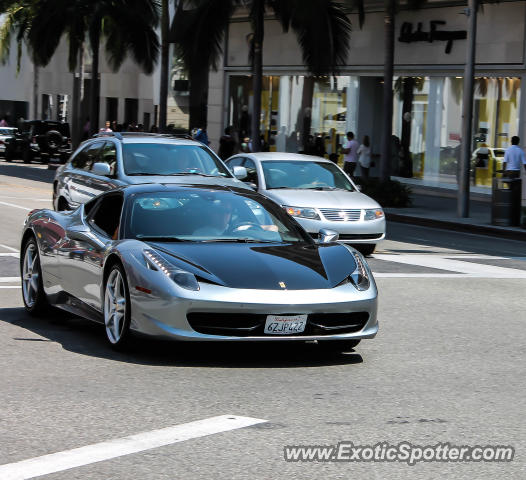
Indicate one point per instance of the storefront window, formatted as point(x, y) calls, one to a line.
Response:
point(427, 126)
point(298, 113)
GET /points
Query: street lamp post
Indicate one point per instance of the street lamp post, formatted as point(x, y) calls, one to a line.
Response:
point(467, 112)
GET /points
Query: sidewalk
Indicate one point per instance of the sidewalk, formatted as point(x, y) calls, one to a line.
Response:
point(441, 212)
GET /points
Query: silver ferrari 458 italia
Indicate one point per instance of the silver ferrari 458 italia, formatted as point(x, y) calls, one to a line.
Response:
point(196, 263)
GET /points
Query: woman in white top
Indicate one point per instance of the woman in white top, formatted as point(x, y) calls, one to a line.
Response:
point(364, 156)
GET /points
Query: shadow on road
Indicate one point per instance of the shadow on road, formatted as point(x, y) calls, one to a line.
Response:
point(87, 338)
point(27, 172)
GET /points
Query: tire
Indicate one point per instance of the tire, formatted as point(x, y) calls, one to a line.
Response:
point(27, 156)
point(117, 307)
point(53, 139)
point(8, 156)
point(365, 249)
point(33, 295)
point(338, 345)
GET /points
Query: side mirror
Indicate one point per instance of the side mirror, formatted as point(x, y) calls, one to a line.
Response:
point(240, 172)
point(327, 236)
point(100, 168)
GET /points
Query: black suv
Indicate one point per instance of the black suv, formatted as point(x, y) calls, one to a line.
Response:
point(44, 139)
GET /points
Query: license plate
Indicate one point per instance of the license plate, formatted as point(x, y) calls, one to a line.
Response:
point(285, 324)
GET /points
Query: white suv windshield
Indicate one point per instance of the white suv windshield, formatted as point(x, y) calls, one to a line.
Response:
point(170, 159)
point(303, 175)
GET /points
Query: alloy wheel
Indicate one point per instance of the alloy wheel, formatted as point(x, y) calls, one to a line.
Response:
point(30, 275)
point(115, 306)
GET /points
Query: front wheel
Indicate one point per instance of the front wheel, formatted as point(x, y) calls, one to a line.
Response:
point(35, 300)
point(117, 308)
point(27, 156)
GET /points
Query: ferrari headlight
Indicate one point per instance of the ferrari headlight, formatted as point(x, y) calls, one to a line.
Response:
point(302, 212)
point(181, 277)
point(360, 276)
point(373, 214)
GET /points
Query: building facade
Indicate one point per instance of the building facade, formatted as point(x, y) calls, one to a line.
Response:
point(47, 93)
point(301, 113)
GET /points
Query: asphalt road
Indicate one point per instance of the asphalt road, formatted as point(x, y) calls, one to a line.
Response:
point(447, 366)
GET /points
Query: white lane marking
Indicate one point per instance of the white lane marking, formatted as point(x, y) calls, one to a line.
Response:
point(443, 263)
point(15, 255)
point(27, 198)
point(98, 452)
point(9, 279)
point(7, 247)
point(10, 286)
point(16, 206)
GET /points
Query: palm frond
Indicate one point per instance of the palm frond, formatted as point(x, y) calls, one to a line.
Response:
point(323, 31)
point(198, 32)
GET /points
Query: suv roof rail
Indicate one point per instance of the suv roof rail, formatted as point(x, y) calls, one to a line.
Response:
point(108, 134)
point(178, 135)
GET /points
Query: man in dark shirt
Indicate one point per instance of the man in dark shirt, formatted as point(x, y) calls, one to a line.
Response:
point(227, 144)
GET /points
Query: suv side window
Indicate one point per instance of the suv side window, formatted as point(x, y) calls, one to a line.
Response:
point(235, 162)
point(87, 157)
point(252, 173)
point(108, 155)
point(107, 215)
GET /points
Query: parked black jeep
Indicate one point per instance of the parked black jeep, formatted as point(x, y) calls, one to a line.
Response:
point(43, 139)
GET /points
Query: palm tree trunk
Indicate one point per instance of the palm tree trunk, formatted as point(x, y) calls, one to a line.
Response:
point(76, 121)
point(387, 130)
point(198, 96)
point(94, 87)
point(35, 92)
point(165, 50)
point(257, 73)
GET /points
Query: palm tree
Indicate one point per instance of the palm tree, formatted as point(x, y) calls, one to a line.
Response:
point(321, 27)
point(17, 20)
point(165, 50)
point(127, 26)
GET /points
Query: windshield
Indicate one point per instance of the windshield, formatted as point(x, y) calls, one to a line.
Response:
point(171, 159)
point(304, 175)
point(205, 216)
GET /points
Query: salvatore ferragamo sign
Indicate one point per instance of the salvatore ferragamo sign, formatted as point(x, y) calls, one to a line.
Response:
point(408, 35)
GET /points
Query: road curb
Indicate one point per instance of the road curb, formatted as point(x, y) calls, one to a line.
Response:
point(459, 227)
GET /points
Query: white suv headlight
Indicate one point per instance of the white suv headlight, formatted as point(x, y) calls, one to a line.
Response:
point(373, 214)
point(302, 212)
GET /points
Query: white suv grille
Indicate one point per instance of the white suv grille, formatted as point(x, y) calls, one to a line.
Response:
point(341, 215)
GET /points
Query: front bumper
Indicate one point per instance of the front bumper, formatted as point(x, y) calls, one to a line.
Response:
point(359, 231)
point(165, 313)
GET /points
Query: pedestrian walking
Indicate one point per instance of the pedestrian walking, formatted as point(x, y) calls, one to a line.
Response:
point(106, 127)
point(513, 159)
point(364, 156)
point(227, 144)
point(350, 154)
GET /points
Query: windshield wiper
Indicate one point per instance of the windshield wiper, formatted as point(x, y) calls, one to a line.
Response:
point(160, 238)
point(237, 240)
point(182, 174)
point(143, 174)
point(328, 189)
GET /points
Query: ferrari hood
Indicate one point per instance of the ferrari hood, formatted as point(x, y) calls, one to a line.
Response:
point(262, 266)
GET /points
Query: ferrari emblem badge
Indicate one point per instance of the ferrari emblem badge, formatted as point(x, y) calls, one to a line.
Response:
point(282, 285)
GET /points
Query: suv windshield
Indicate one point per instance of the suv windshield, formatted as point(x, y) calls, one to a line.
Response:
point(304, 175)
point(171, 159)
point(210, 216)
